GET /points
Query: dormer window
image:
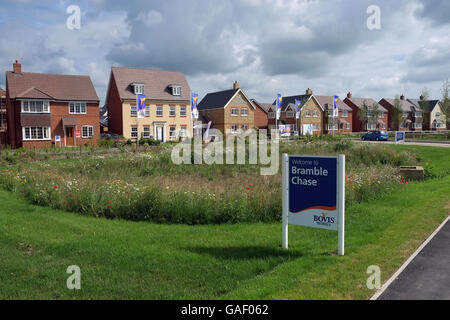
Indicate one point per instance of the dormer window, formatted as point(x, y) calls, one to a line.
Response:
point(138, 88)
point(176, 90)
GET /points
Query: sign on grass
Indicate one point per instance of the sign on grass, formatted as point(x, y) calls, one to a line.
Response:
point(314, 194)
point(400, 137)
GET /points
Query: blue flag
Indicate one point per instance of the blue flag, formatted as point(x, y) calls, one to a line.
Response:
point(298, 108)
point(335, 106)
point(194, 101)
point(141, 106)
point(279, 104)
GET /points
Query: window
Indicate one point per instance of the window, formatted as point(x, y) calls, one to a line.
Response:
point(418, 114)
point(383, 126)
point(438, 114)
point(405, 114)
point(133, 111)
point(244, 112)
point(183, 131)
point(176, 90)
point(35, 106)
point(308, 113)
point(315, 113)
point(147, 111)
point(183, 111)
point(159, 111)
point(87, 131)
point(146, 132)
point(381, 114)
point(271, 115)
point(371, 126)
point(289, 113)
point(244, 127)
point(417, 125)
point(172, 112)
point(347, 126)
point(134, 132)
point(77, 107)
point(138, 88)
point(344, 113)
point(234, 112)
point(172, 132)
point(36, 133)
point(315, 127)
point(234, 128)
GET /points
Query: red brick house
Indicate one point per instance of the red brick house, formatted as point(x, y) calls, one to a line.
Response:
point(412, 114)
point(261, 114)
point(42, 107)
point(3, 116)
point(340, 124)
point(373, 121)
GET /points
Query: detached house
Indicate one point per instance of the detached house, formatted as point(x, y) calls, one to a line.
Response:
point(340, 124)
point(50, 109)
point(433, 116)
point(261, 114)
point(367, 114)
point(411, 115)
point(168, 111)
point(311, 117)
point(229, 111)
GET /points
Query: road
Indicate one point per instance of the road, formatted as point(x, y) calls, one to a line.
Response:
point(414, 143)
point(427, 277)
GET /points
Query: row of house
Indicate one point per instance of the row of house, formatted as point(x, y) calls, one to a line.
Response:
point(43, 110)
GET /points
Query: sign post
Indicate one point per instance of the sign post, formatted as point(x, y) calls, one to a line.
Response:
point(314, 194)
point(399, 137)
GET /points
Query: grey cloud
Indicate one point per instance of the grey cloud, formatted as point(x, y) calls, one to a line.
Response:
point(436, 11)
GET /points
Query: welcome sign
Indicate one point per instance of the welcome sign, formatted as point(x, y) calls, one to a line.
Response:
point(314, 194)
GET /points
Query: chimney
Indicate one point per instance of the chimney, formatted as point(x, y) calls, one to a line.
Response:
point(349, 95)
point(309, 91)
point(17, 67)
point(422, 98)
point(236, 85)
point(402, 97)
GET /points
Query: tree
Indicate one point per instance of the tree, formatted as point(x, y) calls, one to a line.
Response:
point(374, 112)
point(425, 105)
point(363, 114)
point(446, 101)
point(397, 113)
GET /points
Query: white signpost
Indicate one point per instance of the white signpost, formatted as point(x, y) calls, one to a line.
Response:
point(314, 194)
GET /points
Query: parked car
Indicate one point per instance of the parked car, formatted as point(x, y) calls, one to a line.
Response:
point(375, 135)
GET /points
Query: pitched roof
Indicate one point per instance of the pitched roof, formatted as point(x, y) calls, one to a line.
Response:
point(431, 103)
point(327, 103)
point(265, 106)
point(50, 86)
point(291, 100)
point(156, 83)
point(405, 104)
point(216, 100)
point(369, 102)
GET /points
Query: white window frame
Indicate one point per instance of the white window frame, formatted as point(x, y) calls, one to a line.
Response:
point(405, 114)
point(315, 127)
point(418, 125)
point(315, 114)
point(159, 111)
point(234, 114)
point(417, 114)
point(174, 109)
point(344, 114)
point(176, 90)
point(75, 107)
point(308, 113)
point(271, 115)
point(134, 131)
point(147, 111)
point(183, 131)
point(90, 129)
point(235, 129)
point(347, 126)
point(138, 88)
point(172, 133)
point(381, 114)
point(133, 111)
point(183, 111)
point(45, 105)
point(47, 129)
point(244, 127)
point(244, 114)
point(146, 133)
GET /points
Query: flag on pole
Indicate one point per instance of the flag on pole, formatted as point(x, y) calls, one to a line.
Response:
point(335, 106)
point(298, 108)
point(194, 100)
point(279, 104)
point(205, 138)
point(141, 106)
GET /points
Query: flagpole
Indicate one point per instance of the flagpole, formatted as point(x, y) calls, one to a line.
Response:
point(137, 119)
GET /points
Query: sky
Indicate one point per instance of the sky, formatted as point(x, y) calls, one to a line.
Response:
point(268, 46)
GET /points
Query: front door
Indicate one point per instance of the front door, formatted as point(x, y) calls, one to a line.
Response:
point(69, 136)
point(160, 133)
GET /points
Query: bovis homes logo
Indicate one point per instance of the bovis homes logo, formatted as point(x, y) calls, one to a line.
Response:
point(324, 220)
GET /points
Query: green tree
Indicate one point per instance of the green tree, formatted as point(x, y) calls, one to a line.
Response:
point(425, 106)
point(445, 102)
point(397, 113)
point(363, 114)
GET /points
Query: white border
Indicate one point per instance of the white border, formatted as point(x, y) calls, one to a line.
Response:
point(408, 261)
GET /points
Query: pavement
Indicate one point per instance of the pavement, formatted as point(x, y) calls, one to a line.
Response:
point(427, 276)
point(414, 143)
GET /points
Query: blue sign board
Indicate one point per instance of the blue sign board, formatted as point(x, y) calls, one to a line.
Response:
point(400, 137)
point(313, 191)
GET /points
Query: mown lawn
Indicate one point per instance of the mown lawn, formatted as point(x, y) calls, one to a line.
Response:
point(140, 260)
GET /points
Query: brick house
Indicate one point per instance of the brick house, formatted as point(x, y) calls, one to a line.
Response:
point(261, 114)
point(375, 119)
point(230, 110)
point(433, 116)
point(168, 111)
point(412, 114)
point(42, 106)
point(311, 116)
point(340, 124)
point(3, 115)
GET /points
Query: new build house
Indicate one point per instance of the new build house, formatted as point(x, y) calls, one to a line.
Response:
point(411, 118)
point(340, 124)
point(367, 114)
point(229, 111)
point(167, 114)
point(50, 109)
point(433, 116)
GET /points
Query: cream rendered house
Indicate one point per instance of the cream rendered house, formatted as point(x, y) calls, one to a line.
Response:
point(168, 111)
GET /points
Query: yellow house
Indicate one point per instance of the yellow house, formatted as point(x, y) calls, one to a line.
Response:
point(168, 109)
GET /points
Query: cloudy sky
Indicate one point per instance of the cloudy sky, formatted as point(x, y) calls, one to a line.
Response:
point(268, 46)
